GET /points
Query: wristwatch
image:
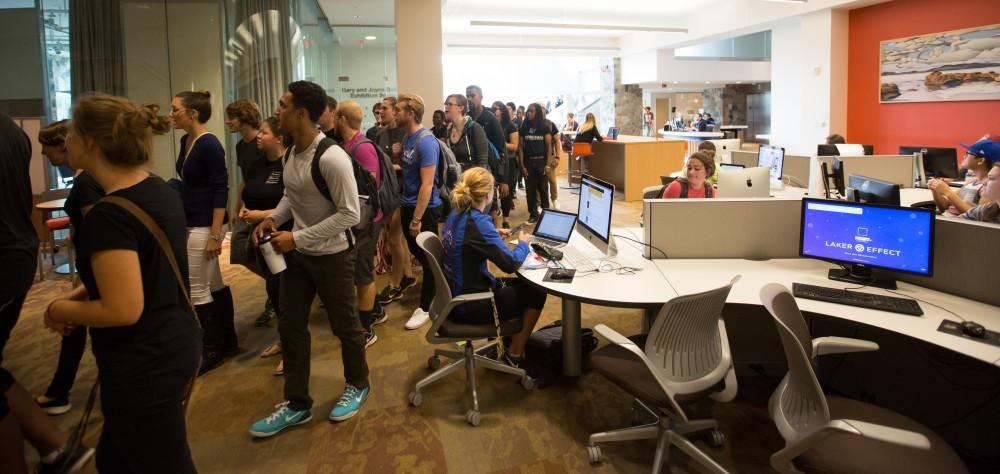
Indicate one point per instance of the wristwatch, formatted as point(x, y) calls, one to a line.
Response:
point(416, 220)
point(215, 237)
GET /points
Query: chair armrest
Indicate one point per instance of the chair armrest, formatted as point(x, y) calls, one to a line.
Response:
point(782, 461)
point(841, 345)
point(617, 339)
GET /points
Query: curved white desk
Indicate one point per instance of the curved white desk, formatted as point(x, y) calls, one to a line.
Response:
point(692, 135)
point(645, 288)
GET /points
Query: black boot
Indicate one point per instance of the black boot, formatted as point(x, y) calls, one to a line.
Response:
point(227, 328)
point(211, 354)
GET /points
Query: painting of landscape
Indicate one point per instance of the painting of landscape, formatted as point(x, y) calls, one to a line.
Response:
point(947, 66)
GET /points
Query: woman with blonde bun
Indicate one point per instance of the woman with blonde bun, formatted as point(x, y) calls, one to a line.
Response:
point(204, 188)
point(145, 339)
point(470, 240)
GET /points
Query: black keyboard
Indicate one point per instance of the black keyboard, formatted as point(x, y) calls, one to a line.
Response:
point(855, 298)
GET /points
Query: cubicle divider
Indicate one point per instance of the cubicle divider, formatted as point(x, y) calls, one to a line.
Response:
point(796, 167)
point(898, 169)
point(758, 229)
point(724, 148)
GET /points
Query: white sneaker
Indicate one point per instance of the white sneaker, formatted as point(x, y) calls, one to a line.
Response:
point(419, 318)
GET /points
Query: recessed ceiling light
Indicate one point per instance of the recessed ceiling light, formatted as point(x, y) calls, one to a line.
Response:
point(676, 82)
point(577, 26)
point(708, 82)
point(739, 82)
point(370, 38)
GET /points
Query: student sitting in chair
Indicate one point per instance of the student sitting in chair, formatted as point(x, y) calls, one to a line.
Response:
point(989, 209)
point(470, 240)
point(700, 166)
point(979, 157)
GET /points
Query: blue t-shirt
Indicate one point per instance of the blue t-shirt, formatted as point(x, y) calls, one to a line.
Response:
point(428, 156)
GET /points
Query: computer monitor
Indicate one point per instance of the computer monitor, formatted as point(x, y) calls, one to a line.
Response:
point(865, 238)
point(745, 183)
point(613, 133)
point(938, 162)
point(837, 174)
point(731, 167)
point(872, 191)
point(555, 226)
point(594, 212)
point(773, 158)
point(831, 150)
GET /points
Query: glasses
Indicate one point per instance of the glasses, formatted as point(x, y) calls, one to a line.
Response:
point(174, 111)
point(446, 104)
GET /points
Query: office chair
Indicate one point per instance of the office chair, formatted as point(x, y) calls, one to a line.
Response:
point(684, 358)
point(832, 434)
point(443, 331)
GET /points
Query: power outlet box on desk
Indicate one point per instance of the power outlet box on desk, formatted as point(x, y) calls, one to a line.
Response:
point(955, 329)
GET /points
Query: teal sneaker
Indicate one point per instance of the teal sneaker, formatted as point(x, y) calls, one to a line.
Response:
point(283, 418)
point(349, 404)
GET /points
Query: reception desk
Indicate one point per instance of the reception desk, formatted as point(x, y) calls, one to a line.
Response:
point(631, 163)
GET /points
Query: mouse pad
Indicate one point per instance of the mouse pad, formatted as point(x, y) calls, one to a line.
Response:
point(548, 275)
point(955, 328)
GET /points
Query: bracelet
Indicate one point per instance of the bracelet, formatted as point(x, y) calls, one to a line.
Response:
point(215, 237)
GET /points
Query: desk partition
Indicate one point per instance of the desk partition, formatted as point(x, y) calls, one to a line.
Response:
point(898, 169)
point(964, 252)
point(795, 167)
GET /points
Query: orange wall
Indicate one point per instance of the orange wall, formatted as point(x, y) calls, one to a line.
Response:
point(887, 126)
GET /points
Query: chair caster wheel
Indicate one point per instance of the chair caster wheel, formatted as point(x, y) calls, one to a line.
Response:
point(433, 362)
point(527, 383)
point(716, 439)
point(416, 399)
point(594, 454)
point(472, 417)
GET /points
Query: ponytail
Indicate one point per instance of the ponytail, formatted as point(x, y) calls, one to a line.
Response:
point(471, 189)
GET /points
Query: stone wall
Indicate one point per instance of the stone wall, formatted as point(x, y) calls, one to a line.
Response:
point(728, 105)
point(628, 105)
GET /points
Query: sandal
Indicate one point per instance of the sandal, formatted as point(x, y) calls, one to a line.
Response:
point(280, 369)
point(271, 351)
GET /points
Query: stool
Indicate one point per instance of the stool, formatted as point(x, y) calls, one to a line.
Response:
point(56, 224)
point(581, 151)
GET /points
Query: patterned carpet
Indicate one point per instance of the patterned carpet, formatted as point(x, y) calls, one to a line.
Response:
point(544, 430)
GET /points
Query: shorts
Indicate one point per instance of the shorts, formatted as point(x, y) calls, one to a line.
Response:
point(365, 243)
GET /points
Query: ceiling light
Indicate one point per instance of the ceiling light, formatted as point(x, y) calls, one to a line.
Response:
point(708, 82)
point(534, 47)
point(370, 38)
point(577, 26)
point(739, 82)
point(676, 82)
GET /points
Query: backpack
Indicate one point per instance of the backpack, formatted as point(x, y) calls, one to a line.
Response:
point(387, 195)
point(709, 191)
point(324, 190)
point(494, 161)
point(544, 347)
point(450, 170)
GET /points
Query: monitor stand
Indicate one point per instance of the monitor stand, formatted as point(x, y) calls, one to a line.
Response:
point(861, 275)
point(612, 246)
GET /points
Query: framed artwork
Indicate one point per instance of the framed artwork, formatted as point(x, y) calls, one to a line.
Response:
point(947, 66)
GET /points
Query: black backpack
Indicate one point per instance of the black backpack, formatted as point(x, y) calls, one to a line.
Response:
point(317, 177)
point(387, 196)
point(544, 347)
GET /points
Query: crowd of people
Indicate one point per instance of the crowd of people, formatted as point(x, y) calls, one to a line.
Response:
point(336, 202)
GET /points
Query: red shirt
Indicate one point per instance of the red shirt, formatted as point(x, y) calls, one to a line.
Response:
point(673, 191)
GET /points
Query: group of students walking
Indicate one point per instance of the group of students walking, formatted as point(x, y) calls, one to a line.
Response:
point(152, 295)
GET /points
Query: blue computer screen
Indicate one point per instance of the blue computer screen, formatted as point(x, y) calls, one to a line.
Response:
point(895, 238)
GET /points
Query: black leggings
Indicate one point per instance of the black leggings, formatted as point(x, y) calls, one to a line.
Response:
point(512, 296)
point(70, 353)
point(15, 281)
point(536, 184)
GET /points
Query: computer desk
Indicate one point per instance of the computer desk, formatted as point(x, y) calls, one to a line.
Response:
point(907, 196)
point(688, 276)
point(645, 288)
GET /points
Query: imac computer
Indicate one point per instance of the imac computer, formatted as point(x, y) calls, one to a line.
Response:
point(872, 191)
point(865, 238)
point(773, 158)
point(594, 213)
point(745, 183)
point(612, 133)
point(833, 150)
point(938, 162)
point(730, 167)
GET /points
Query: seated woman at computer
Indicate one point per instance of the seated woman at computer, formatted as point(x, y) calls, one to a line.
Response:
point(989, 209)
point(979, 157)
point(701, 165)
point(470, 239)
point(588, 131)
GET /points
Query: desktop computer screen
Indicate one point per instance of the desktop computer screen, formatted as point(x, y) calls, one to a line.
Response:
point(613, 133)
point(772, 157)
point(938, 162)
point(594, 213)
point(870, 190)
point(863, 237)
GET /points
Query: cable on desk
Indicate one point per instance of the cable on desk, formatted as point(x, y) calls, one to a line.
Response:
point(642, 243)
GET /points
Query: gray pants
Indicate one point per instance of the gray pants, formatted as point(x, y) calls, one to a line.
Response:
point(332, 277)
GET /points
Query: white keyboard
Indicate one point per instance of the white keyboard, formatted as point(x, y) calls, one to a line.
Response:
point(577, 259)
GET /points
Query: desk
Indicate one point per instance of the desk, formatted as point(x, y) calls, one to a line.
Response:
point(907, 196)
point(632, 163)
point(645, 289)
point(51, 206)
point(694, 275)
point(738, 130)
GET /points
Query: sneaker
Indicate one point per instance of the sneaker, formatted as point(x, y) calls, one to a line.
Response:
point(370, 338)
point(267, 316)
point(505, 225)
point(419, 318)
point(67, 462)
point(389, 294)
point(349, 404)
point(282, 418)
point(379, 317)
point(532, 219)
point(407, 283)
point(514, 362)
point(54, 406)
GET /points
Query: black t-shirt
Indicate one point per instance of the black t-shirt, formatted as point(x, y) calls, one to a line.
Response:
point(508, 129)
point(333, 135)
point(166, 340)
point(264, 186)
point(15, 189)
point(441, 133)
point(246, 154)
point(372, 133)
point(85, 192)
point(534, 139)
point(387, 137)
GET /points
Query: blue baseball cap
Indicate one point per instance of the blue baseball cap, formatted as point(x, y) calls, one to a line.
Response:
point(986, 149)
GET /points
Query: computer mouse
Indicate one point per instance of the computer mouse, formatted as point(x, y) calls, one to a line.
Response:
point(969, 328)
point(562, 275)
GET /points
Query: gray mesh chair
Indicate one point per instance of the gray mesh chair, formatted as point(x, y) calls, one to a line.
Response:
point(684, 358)
point(832, 434)
point(443, 331)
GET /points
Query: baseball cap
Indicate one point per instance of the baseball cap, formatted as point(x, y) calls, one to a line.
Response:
point(987, 149)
